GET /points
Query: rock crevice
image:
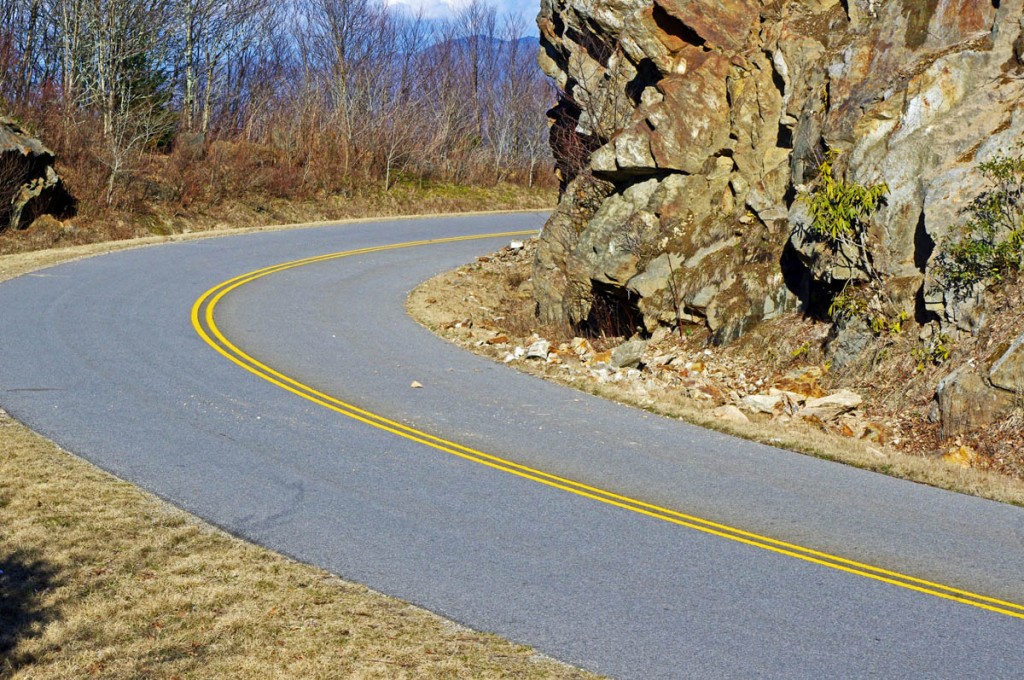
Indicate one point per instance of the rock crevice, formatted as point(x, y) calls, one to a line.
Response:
point(687, 129)
point(29, 185)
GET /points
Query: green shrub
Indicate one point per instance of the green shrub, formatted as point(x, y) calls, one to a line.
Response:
point(935, 352)
point(838, 208)
point(883, 325)
point(990, 243)
point(850, 303)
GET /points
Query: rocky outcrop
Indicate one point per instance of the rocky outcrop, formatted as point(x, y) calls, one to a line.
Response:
point(971, 398)
point(1007, 372)
point(687, 130)
point(29, 186)
point(966, 402)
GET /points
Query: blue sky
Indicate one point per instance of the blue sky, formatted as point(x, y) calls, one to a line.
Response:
point(445, 9)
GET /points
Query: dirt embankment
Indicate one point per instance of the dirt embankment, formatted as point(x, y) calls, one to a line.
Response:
point(773, 385)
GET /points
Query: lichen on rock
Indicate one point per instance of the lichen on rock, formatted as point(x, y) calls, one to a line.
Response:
point(687, 129)
point(29, 185)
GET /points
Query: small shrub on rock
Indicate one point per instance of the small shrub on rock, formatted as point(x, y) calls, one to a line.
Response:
point(839, 208)
point(990, 243)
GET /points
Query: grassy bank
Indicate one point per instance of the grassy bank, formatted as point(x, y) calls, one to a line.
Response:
point(502, 317)
point(254, 210)
point(99, 579)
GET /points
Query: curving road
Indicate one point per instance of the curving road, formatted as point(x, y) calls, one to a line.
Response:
point(655, 553)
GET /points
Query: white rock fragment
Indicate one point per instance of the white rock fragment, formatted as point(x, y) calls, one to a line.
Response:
point(628, 354)
point(582, 349)
point(793, 397)
point(831, 407)
point(761, 403)
point(538, 350)
point(731, 414)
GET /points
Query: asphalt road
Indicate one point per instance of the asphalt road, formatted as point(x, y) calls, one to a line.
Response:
point(101, 356)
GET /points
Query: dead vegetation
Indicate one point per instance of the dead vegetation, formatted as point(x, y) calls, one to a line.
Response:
point(682, 376)
point(99, 579)
point(253, 210)
point(170, 116)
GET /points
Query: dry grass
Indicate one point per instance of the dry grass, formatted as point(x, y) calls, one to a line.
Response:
point(482, 291)
point(99, 579)
point(255, 211)
point(19, 263)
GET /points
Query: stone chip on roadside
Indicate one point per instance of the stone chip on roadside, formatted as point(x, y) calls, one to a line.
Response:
point(538, 350)
point(730, 414)
point(832, 406)
point(628, 354)
point(762, 403)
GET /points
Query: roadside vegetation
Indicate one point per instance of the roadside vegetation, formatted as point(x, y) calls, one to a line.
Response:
point(99, 579)
point(487, 307)
point(178, 115)
point(840, 210)
point(989, 246)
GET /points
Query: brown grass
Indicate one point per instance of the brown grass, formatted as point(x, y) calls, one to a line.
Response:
point(249, 210)
point(99, 579)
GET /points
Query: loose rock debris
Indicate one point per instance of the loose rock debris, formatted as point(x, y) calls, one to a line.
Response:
point(776, 379)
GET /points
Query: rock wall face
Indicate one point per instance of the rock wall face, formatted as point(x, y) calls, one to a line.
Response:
point(687, 129)
point(29, 186)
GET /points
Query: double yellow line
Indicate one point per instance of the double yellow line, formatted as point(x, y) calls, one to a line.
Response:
point(203, 312)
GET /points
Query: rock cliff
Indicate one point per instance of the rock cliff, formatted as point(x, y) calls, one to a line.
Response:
point(689, 132)
point(29, 186)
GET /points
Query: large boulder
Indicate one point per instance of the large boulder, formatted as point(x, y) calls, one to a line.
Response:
point(702, 121)
point(29, 186)
point(1007, 372)
point(967, 402)
point(969, 399)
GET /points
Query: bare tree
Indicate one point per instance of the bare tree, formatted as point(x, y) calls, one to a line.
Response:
point(401, 105)
point(320, 95)
point(214, 33)
point(22, 36)
point(341, 41)
point(9, 55)
point(115, 57)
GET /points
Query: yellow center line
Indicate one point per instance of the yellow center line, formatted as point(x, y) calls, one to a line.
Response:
point(205, 325)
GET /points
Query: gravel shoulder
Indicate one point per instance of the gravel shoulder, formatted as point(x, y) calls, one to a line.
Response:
point(757, 390)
